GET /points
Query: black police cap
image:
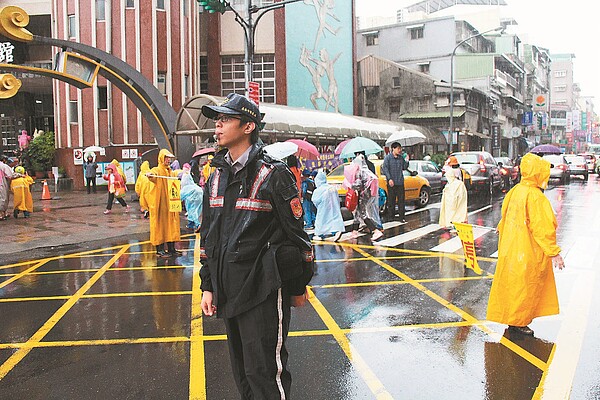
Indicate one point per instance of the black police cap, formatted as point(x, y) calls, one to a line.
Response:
point(234, 104)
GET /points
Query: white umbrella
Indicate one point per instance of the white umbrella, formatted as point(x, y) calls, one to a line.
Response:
point(281, 150)
point(91, 149)
point(406, 137)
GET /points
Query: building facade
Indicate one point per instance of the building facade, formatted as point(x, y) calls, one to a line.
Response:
point(486, 80)
point(158, 38)
point(31, 109)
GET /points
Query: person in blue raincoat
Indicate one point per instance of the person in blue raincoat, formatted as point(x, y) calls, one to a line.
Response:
point(191, 195)
point(307, 187)
point(329, 219)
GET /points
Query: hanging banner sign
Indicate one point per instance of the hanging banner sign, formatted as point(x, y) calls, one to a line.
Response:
point(540, 102)
point(465, 233)
point(175, 195)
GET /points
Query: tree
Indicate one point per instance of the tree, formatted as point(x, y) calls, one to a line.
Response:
point(41, 152)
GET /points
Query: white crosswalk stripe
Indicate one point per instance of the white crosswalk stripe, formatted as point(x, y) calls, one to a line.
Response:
point(408, 236)
point(454, 244)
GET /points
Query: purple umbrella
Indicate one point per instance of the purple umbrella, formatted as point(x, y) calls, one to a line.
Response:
point(546, 149)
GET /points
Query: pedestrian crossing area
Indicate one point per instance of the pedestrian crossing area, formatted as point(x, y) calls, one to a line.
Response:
point(449, 246)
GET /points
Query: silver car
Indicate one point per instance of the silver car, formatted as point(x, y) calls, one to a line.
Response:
point(577, 166)
point(559, 169)
point(428, 170)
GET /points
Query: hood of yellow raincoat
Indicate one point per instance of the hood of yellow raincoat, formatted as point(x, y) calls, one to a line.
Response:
point(115, 162)
point(162, 154)
point(535, 170)
point(145, 167)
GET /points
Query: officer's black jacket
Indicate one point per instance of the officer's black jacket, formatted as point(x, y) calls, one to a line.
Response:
point(252, 237)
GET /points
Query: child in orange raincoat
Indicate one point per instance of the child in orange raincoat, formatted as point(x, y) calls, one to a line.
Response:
point(22, 194)
point(116, 188)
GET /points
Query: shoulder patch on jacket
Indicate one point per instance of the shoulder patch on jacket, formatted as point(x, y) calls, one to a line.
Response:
point(296, 207)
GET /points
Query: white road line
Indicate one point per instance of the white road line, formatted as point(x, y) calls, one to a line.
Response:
point(405, 237)
point(392, 224)
point(561, 373)
point(480, 210)
point(454, 244)
point(494, 255)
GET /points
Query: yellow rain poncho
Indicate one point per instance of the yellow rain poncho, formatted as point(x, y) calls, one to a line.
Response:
point(143, 187)
point(164, 225)
point(454, 200)
point(523, 286)
point(119, 169)
point(22, 194)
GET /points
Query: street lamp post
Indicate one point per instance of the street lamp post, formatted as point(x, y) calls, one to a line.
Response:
point(451, 130)
point(249, 26)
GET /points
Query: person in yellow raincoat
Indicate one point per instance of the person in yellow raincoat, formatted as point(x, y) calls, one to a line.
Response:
point(164, 224)
point(21, 193)
point(524, 286)
point(454, 197)
point(143, 188)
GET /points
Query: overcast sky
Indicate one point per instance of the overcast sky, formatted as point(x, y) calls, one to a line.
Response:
point(561, 26)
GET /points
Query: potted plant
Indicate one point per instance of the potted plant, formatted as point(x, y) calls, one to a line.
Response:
point(41, 153)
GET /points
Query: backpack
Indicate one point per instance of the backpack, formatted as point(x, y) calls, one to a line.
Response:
point(310, 188)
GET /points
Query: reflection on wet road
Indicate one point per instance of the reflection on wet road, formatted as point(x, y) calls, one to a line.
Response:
point(400, 318)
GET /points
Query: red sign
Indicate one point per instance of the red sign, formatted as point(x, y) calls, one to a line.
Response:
point(253, 91)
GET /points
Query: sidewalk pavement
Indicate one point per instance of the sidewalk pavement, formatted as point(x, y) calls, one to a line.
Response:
point(71, 218)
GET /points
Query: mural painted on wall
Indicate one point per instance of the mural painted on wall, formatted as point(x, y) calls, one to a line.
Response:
point(319, 54)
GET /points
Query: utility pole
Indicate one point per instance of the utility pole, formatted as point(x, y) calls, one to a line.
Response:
point(451, 132)
point(248, 23)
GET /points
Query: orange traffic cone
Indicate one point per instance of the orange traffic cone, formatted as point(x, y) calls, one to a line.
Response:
point(46, 192)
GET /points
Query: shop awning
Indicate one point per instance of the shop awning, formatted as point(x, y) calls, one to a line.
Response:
point(433, 114)
point(293, 122)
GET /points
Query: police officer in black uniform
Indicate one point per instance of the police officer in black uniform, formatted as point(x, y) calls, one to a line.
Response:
point(256, 257)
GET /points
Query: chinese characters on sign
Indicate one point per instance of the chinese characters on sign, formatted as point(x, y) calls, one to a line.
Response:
point(6, 52)
point(496, 136)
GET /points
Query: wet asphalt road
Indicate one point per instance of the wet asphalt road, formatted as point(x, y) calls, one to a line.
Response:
point(401, 318)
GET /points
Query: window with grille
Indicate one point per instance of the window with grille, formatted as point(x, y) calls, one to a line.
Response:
point(396, 81)
point(161, 83)
point(422, 104)
point(72, 26)
point(203, 74)
point(560, 74)
point(394, 105)
point(102, 98)
point(100, 10)
point(372, 40)
point(424, 68)
point(560, 88)
point(232, 76)
point(416, 33)
point(73, 112)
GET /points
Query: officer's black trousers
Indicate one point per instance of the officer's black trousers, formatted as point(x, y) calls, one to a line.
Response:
point(256, 340)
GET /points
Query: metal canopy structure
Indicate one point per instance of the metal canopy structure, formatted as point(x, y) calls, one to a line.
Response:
point(283, 122)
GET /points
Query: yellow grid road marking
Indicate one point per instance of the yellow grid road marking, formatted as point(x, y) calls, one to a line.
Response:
point(463, 314)
point(37, 337)
point(220, 337)
point(351, 352)
point(97, 296)
point(73, 271)
point(22, 274)
point(197, 361)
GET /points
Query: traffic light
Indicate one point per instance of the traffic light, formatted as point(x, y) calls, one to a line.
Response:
point(212, 6)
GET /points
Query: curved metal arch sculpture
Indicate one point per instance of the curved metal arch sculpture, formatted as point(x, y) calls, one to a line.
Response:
point(155, 109)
